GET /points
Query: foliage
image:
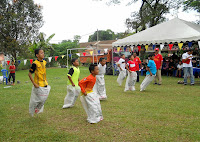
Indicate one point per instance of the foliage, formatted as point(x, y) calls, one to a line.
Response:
point(20, 21)
point(169, 112)
point(192, 5)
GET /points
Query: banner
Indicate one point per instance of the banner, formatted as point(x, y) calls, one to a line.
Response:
point(99, 51)
point(31, 61)
point(25, 62)
point(118, 49)
point(56, 57)
point(91, 52)
point(49, 59)
point(139, 47)
point(64, 56)
point(105, 50)
point(8, 62)
point(84, 53)
point(78, 54)
point(189, 44)
point(180, 45)
point(199, 44)
point(162, 46)
point(146, 47)
point(170, 46)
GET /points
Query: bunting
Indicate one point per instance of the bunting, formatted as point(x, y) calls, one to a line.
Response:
point(139, 47)
point(78, 54)
point(118, 49)
point(91, 52)
point(105, 50)
point(49, 59)
point(180, 45)
point(161, 46)
point(170, 46)
point(70, 55)
point(131, 48)
point(19, 61)
point(124, 48)
point(84, 53)
point(8, 62)
point(99, 51)
point(146, 47)
point(64, 56)
point(189, 44)
point(56, 57)
point(154, 46)
point(25, 62)
point(199, 44)
point(31, 61)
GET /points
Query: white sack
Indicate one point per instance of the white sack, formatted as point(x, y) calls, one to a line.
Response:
point(147, 80)
point(121, 76)
point(130, 81)
point(99, 87)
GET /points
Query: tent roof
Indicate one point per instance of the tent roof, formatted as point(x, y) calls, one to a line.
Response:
point(175, 30)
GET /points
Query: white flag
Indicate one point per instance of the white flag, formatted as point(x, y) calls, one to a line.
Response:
point(78, 54)
point(25, 62)
point(199, 44)
point(106, 50)
point(49, 59)
point(161, 46)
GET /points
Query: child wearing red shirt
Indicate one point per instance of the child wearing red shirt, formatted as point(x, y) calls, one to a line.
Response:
point(132, 75)
point(90, 100)
point(12, 73)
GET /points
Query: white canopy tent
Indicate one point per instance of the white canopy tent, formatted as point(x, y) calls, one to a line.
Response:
point(175, 30)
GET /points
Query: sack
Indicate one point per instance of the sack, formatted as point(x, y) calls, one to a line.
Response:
point(121, 77)
point(130, 81)
point(92, 107)
point(72, 95)
point(99, 87)
point(38, 98)
point(147, 80)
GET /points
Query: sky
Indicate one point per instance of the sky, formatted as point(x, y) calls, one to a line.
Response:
point(67, 18)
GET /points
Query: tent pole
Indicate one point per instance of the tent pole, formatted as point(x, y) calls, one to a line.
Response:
point(113, 62)
point(67, 59)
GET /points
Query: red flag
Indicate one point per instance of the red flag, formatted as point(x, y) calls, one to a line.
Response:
point(31, 61)
point(84, 53)
point(139, 47)
point(8, 62)
point(56, 57)
point(170, 46)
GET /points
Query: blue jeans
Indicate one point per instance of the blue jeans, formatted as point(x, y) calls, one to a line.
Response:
point(188, 71)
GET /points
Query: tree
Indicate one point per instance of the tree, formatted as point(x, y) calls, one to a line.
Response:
point(20, 21)
point(192, 5)
point(102, 35)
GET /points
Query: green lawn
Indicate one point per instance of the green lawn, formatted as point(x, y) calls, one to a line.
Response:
point(170, 112)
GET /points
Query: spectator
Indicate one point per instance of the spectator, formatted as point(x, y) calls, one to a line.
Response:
point(144, 66)
point(158, 61)
point(171, 67)
point(179, 69)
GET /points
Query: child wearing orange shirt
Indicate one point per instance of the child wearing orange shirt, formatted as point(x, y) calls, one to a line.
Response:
point(90, 99)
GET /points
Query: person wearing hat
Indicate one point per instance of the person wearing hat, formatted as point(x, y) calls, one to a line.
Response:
point(158, 59)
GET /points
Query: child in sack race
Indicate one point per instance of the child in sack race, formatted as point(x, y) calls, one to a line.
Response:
point(73, 90)
point(132, 74)
point(99, 86)
point(40, 89)
point(89, 98)
point(150, 74)
point(122, 71)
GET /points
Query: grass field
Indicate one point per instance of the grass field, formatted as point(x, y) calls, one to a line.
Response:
point(170, 112)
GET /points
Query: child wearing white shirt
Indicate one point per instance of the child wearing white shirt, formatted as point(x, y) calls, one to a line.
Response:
point(179, 69)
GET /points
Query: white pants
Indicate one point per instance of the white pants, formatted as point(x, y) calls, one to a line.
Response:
point(130, 81)
point(121, 77)
point(38, 98)
point(99, 87)
point(147, 80)
point(72, 95)
point(92, 106)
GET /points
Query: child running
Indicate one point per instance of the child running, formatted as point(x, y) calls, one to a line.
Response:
point(132, 75)
point(40, 89)
point(90, 99)
point(73, 90)
point(150, 74)
point(99, 86)
point(122, 71)
point(12, 72)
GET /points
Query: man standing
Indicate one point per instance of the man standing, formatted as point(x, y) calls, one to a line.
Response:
point(187, 67)
point(158, 59)
point(138, 62)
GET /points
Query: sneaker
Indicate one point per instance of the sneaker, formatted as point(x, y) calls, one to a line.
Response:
point(155, 83)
